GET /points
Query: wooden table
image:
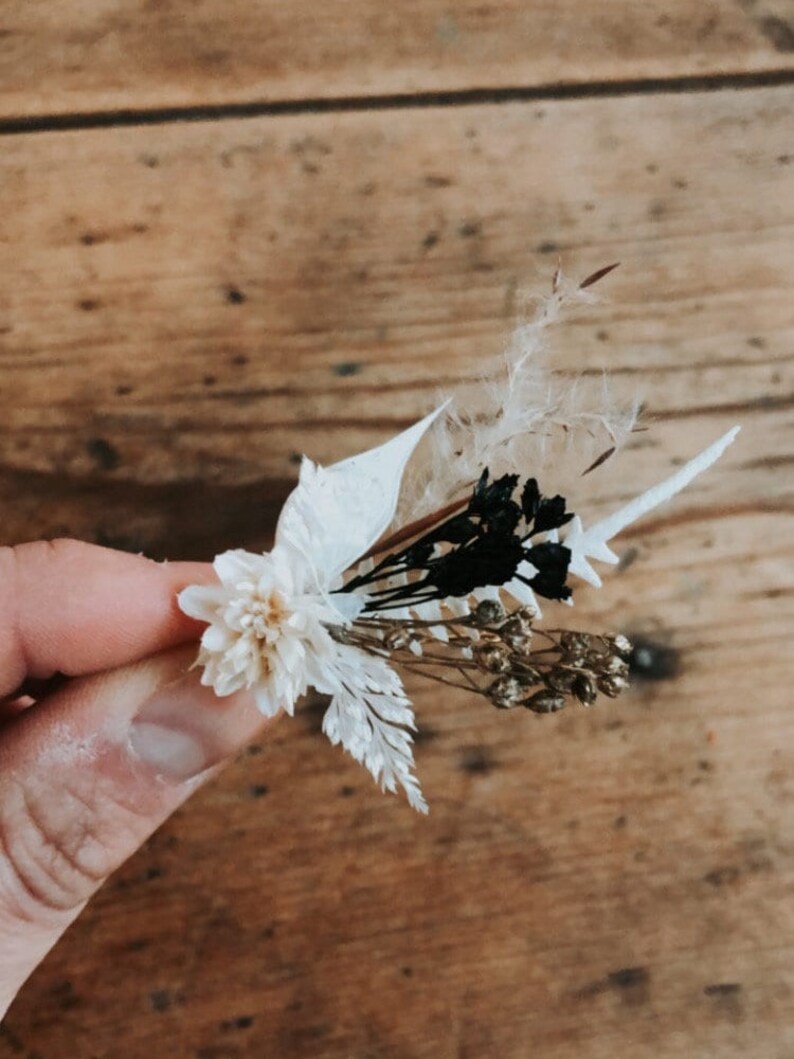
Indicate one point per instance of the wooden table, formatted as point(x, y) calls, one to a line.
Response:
point(235, 232)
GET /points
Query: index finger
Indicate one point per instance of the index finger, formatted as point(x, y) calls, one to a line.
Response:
point(74, 608)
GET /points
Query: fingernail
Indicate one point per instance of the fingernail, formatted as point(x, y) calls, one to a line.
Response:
point(185, 729)
point(171, 753)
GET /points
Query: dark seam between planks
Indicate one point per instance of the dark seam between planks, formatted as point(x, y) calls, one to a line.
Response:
point(770, 403)
point(398, 101)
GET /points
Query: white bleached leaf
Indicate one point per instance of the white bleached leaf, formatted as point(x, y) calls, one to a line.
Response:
point(592, 543)
point(336, 513)
point(372, 718)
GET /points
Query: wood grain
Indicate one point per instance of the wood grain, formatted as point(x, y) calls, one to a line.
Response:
point(185, 309)
point(120, 55)
point(182, 309)
point(609, 882)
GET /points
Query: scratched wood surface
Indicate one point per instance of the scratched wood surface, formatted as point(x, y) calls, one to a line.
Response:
point(186, 307)
point(117, 55)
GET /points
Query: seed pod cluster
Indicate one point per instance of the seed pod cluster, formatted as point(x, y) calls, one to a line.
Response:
point(502, 656)
point(542, 672)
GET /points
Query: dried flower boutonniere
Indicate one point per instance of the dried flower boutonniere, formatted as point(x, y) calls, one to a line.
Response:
point(344, 599)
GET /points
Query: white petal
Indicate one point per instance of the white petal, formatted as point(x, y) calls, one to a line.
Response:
point(486, 592)
point(430, 610)
point(224, 683)
point(264, 701)
point(234, 565)
point(580, 549)
point(201, 601)
point(458, 607)
point(217, 638)
point(336, 514)
point(522, 594)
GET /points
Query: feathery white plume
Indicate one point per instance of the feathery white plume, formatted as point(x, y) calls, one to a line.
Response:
point(519, 417)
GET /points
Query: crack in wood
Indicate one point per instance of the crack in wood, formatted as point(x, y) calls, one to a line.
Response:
point(12, 126)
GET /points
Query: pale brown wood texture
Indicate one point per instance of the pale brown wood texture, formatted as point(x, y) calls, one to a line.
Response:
point(186, 307)
point(89, 56)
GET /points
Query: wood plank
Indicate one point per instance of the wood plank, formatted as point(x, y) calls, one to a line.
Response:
point(138, 54)
point(185, 307)
point(605, 883)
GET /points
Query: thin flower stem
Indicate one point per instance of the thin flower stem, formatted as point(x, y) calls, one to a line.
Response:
point(416, 623)
point(436, 677)
point(474, 685)
point(436, 660)
point(397, 603)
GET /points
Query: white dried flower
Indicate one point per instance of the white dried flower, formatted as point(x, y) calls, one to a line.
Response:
point(265, 632)
point(320, 612)
point(268, 619)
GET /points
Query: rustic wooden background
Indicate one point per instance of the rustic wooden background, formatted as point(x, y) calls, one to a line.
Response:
point(234, 232)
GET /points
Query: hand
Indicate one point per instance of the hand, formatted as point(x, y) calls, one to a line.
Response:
point(101, 738)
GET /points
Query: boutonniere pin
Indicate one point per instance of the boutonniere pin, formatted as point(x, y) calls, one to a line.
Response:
point(429, 554)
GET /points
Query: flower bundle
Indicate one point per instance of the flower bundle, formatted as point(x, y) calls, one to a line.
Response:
point(437, 571)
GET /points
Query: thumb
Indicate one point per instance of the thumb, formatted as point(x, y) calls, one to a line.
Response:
point(89, 774)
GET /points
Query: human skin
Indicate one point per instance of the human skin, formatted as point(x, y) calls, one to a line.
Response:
point(104, 728)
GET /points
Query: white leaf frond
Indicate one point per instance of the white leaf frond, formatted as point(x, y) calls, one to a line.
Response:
point(372, 718)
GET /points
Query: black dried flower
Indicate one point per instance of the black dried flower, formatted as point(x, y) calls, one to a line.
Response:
point(482, 545)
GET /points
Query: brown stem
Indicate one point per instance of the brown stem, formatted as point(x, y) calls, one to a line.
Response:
point(416, 623)
point(386, 544)
point(436, 660)
point(437, 678)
